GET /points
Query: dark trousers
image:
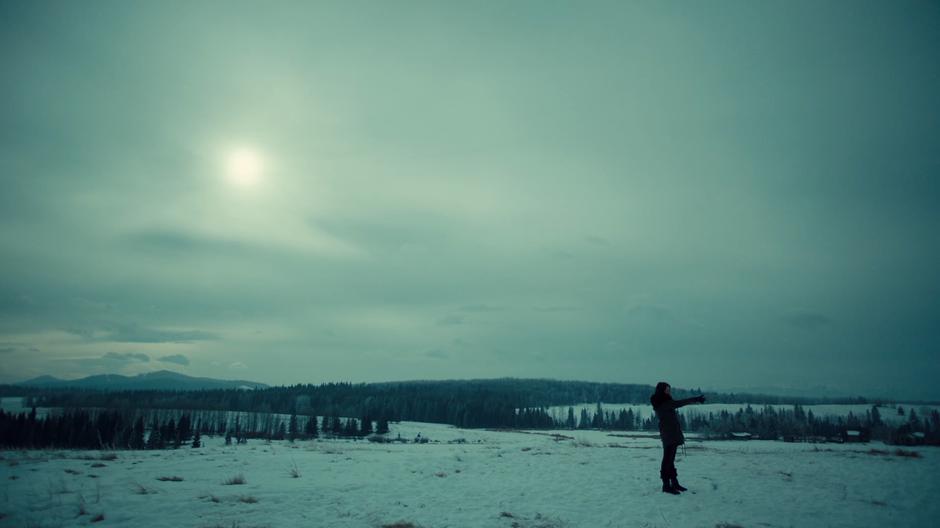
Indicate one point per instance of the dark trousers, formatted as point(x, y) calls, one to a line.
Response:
point(668, 469)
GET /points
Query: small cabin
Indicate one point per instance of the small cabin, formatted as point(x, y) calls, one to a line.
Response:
point(851, 436)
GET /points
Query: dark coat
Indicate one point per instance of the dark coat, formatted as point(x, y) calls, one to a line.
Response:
point(669, 431)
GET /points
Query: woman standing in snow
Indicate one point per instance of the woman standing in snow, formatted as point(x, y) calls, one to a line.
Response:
point(670, 433)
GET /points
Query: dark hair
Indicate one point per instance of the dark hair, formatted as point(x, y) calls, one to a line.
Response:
point(660, 395)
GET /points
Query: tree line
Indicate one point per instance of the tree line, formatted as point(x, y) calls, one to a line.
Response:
point(767, 422)
point(122, 429)
point(162, 429)
point(462, 403)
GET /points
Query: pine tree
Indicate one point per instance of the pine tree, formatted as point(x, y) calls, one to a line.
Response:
point(168, 435)
point(197, 440)
point(154, 441)
point(598, 421)
point(183, 430)
point(137, 434)
point(382, 427)
point(570, 423)
point(336, 427)
point(310, 429)
point(351, 428)
point(292, 430)
point(585, 422)
point(228, 437)
point(366, 428)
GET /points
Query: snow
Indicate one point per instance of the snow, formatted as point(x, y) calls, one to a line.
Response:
point(474, 478)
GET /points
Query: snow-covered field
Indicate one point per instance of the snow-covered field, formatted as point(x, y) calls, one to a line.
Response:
point(494, 479)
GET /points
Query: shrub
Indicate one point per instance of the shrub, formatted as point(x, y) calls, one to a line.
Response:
point(234, 481)
point(140, 489)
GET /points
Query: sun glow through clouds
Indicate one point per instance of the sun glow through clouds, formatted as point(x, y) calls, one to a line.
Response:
point(244, 167)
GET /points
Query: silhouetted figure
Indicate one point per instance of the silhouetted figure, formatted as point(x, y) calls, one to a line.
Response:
point(670, 433)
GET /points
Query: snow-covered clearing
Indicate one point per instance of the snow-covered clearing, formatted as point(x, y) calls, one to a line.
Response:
point(493, 479)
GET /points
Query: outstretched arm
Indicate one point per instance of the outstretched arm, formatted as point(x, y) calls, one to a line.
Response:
point(687, 401)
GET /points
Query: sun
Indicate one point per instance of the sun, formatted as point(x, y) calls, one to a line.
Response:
point(244, 166)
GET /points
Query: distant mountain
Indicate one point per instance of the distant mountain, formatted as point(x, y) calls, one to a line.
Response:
point(159, 380)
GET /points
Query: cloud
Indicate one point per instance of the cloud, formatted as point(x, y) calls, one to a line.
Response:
point(538, 213)
point(559, 254)
point(9, 348)
point(238, 365)
point(437, 354)
point(479, 308)
point(127, 356)
point(177, 242)
point(134, 333)
point(651, 312)
point(179, 359)
point(550, 309)
point(450, 320)
point(139, 334)
point(85, 333)
point(808, 320)
point(107, 363)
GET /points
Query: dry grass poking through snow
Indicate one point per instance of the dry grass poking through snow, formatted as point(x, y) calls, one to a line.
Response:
point(897, 452)
point(235, 481)
point(140, 489)
point(294, 470)
point(236, 524)
point(539, 521)
point(170, 479)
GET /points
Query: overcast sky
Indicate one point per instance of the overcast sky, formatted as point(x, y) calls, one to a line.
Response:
point(718, 194)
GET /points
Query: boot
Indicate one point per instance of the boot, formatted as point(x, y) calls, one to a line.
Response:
point(667, 487)
point(676, 486)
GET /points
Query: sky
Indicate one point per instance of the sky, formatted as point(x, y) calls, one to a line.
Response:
point(727, 195)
